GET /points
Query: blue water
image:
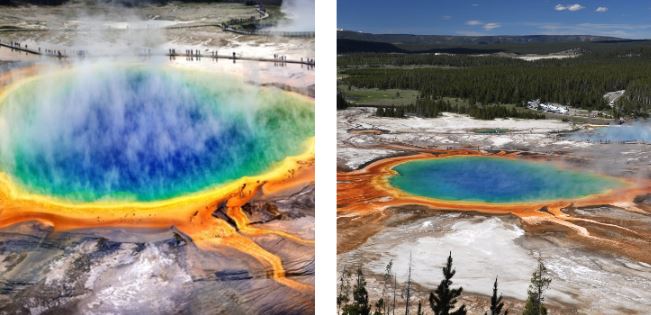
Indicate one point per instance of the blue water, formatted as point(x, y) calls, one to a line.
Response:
point(495, 180)
point(143, 134)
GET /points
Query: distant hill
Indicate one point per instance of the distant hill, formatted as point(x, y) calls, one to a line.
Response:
point(355, 46)
point(408, 39)
point(351, 42)
point(345, 46)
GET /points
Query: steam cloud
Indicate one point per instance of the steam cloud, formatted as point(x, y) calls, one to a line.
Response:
point(109, 130)
point(639, 131)
point(300, 15)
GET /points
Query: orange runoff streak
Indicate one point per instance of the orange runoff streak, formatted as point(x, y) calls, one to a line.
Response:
point(191, 214)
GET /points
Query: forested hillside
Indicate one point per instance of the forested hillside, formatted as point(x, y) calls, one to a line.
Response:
point(579, 82)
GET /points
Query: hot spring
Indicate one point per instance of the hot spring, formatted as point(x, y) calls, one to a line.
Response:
point(144, 133)
point(496, 180)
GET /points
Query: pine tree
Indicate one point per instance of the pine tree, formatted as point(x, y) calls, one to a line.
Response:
point(379, 307)
point(420, 309)
point(395, 286)
point(400, 112)
point(443, 299)
point(380, 112)
point(496, 303)
point(341, 101)
point(408, 288)
point(387, 279)
point(539, 283)
point(360, 305)
point(344, 290)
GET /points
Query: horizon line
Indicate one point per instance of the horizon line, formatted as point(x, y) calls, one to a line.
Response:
point(496, 35)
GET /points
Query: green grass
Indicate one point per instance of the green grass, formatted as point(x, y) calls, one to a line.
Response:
point(360, 96)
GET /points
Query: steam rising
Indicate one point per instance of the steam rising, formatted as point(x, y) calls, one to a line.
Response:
point(106, 130)
point(145, 133)
point(300, 15)
point(639, 131)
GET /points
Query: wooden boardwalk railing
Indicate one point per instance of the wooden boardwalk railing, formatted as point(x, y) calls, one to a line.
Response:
point(171, 54)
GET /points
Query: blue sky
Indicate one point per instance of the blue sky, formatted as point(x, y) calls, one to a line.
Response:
point(627, 19)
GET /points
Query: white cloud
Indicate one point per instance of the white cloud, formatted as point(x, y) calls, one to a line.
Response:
point(634, 31)
point(601, 9)
point(446, 17)
point(486, 26)
point(491, 26)
point(569, 7)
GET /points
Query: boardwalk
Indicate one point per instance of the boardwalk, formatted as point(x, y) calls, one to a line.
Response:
point(19, 48)
point(171, 53)
point(278, 59)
